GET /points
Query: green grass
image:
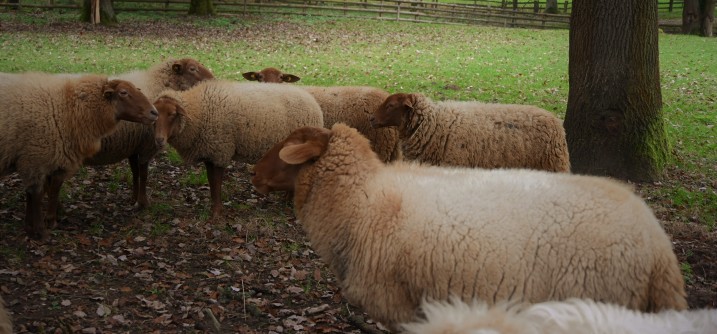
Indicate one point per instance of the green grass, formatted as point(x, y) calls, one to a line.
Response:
point(444, 62)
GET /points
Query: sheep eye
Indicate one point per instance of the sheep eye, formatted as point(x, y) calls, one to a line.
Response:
point(123, 93)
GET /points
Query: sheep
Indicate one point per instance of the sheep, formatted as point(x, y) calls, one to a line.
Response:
point(472, 134)
point(5, 321)
point(395, 234)
point(135, 141)
point(270, 75)
point(219, 121)
point(572, 316)
point(353, 105)
point(50, 124)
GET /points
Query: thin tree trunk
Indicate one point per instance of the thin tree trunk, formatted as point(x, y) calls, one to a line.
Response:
point(551, 6)
point(201, 7)
point(107, 12)
point(614, 123)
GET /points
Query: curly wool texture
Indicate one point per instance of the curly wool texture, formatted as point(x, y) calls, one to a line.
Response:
point(5, 321)
point(239, 121)
point(573, 316)
point(395, 234)
point(473, 134)
point(352, 105)
point(51, 123)
point(134, 138)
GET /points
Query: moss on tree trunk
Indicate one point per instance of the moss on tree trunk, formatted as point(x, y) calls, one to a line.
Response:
point(614, 122)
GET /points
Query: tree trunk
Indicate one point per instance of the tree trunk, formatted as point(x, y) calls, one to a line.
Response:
point(107, 12)
point(551, 6)
point(614, 123)
point(698, 16)
point(201, 7)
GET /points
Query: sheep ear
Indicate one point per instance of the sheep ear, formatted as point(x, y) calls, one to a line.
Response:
point(289, 78)
point(251, 76)
point(108, 93)
point(299, 153)
point(177, 68)
point(409, 100)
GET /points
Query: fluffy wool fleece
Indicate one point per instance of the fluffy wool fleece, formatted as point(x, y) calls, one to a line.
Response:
point(573, 316)
point(51, 122)
point(394, 234)
point(473, 134)
point(227, 120)
point(352, 105)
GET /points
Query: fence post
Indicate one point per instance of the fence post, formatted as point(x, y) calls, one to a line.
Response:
point(670, 9)
point(398, 10)
point(536, 6)
point(565, 7)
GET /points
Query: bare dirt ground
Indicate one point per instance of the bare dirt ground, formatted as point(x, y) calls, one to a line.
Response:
point(167, 269)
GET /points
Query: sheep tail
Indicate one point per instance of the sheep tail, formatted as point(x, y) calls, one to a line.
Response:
point(667, 287)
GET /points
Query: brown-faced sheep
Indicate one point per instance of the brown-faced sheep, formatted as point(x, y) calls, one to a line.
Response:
point(395, 234)
point(473, 134)
point(135, 141)
point(573, 316)
point(219, 121)
point(5, 321)
point(51, 124)
point(353, 105)
point(270, 75)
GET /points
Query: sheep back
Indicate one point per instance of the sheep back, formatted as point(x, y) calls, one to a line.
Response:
point(572, 316)
point(398, 233)
point(353, 105)
point(473, 134)
point(239, 121)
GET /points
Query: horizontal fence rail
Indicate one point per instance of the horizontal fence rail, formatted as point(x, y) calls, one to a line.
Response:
point(503, 13)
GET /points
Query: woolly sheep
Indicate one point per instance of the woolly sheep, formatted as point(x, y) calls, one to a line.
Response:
point(135, 141)
point(573, 316)
point(395, 234)
point(219, 121)
point(472, 134)
point(50, 124)
point(270, 75)
point(353, 105)
point(5, 321)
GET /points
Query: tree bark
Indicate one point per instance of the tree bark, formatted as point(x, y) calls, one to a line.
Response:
point(551, 6)
point(107, 12)
point(698, 16)
point(201, 7)
point(614, 124)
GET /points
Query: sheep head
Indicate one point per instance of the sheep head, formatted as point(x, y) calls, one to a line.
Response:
point(277, 169)
point(187, 72)
point(130, 104)
point(393, 111)
point(270, 74)
point(171, 119)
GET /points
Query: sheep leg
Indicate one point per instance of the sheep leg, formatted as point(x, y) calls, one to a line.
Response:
point(139, 182)
point(53, 186)
point(34, 225)
point(215, 174)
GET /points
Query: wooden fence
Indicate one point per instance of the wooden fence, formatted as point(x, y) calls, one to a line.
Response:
point(504, 13)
